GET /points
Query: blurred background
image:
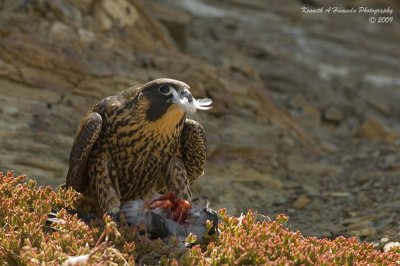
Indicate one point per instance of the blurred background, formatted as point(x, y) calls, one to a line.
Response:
point(306, 113)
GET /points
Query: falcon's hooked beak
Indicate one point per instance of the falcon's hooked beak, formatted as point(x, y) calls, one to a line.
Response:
point(184, 99)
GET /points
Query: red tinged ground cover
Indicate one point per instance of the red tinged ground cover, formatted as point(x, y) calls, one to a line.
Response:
point(26, 237)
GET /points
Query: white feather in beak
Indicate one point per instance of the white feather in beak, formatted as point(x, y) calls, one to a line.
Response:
point(190, 106)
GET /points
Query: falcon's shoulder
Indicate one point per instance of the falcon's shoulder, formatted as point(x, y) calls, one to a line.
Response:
point(194, 148)
point(85, 137)
point(89, 131)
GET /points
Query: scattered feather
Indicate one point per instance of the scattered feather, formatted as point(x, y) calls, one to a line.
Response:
point(77, 260)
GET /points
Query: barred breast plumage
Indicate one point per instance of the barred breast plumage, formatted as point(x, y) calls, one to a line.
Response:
point(138, 142)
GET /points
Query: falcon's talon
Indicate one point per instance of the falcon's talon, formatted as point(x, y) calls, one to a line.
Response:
point(178, 208)
point(138, 142)
point(166, 204)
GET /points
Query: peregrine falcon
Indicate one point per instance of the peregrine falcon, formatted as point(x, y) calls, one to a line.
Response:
point(138, 142)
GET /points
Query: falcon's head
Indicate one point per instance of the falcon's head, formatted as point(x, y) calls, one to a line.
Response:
point(170, 98)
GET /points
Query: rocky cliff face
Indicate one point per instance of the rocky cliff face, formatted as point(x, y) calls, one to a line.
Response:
point(335, 80)
point(60, 57)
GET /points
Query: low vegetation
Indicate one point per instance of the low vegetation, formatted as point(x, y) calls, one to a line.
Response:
point(27, 238)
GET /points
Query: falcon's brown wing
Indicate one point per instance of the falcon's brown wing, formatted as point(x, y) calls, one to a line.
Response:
point(194, 149)
point(87, 134)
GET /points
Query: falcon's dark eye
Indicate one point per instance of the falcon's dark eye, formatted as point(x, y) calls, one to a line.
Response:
point(164, 89)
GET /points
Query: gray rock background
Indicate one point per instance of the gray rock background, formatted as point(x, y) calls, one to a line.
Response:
point(306, 106)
